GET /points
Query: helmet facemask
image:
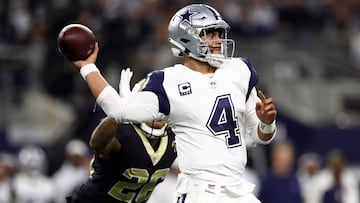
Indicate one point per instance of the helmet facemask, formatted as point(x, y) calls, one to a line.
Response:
point(152, 132)
point(227, 46)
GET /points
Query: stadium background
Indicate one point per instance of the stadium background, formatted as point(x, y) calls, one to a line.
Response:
point(307, 54)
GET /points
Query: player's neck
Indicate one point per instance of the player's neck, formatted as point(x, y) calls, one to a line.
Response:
point(154, 143)
point(198, 66)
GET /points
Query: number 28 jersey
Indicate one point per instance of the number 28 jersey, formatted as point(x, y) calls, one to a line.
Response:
point(213, 117)
point(131, 174)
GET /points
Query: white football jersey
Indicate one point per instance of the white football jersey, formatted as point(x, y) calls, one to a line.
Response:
point(209, 116)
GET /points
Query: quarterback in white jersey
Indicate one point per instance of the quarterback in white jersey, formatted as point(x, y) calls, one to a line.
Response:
point(210, 101)
point(211, 136)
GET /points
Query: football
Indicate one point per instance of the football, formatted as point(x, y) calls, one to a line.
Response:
point(76, 42)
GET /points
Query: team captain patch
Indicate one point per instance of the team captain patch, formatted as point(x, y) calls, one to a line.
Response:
point(184, 89)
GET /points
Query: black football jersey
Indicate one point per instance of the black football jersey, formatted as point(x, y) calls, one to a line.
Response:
point(131, 174)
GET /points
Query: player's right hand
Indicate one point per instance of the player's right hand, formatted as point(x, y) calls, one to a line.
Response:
point(124, 83)
point(265, 109)
point(90, 60)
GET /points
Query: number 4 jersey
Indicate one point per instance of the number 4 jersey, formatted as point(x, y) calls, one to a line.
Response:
point(131, 174)
point(212, 115)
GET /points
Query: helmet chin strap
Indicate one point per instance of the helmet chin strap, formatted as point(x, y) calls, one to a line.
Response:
point(153, 133)
point(213, 61)
point(216, 62)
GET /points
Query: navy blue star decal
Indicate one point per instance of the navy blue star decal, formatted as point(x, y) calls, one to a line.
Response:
point(187, 16)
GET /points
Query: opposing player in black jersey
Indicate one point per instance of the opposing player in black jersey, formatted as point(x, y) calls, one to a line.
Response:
point(129, 161)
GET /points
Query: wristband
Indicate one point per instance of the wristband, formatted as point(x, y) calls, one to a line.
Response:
point(267, 128)
point(88, 68)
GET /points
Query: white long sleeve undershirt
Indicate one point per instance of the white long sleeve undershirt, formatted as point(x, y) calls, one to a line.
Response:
point(138, 107)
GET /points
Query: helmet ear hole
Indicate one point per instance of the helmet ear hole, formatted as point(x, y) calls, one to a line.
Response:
point(184, 40)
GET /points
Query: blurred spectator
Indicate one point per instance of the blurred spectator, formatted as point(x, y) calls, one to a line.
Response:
point(30, 183)
point(262, 17)
point(293, 17)
point(154, 51)
point(7, 170)
point(20, 19)
point(336, 182)
point(309, 166)
point(233, 13)
point(354, 46)
point(73, 171)
point(280, 184)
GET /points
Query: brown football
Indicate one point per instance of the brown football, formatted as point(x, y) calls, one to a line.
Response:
point(76, 42)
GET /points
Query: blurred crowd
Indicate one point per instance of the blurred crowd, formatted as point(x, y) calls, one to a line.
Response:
point(24, 176)
point(44, 105)
point(310, 178)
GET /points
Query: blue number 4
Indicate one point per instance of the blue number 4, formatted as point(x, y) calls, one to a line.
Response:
point(222, 121)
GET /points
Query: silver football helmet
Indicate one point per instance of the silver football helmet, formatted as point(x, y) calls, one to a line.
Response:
point(190, 23)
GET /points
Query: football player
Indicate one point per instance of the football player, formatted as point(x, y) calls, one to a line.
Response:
point(129, 161)
point(210, 101)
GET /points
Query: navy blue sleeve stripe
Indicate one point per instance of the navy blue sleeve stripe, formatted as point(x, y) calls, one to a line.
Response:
point(155, 85)
point(254, 78)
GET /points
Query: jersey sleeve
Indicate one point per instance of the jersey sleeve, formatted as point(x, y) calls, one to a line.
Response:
point(154, 84)
point(254, 78)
